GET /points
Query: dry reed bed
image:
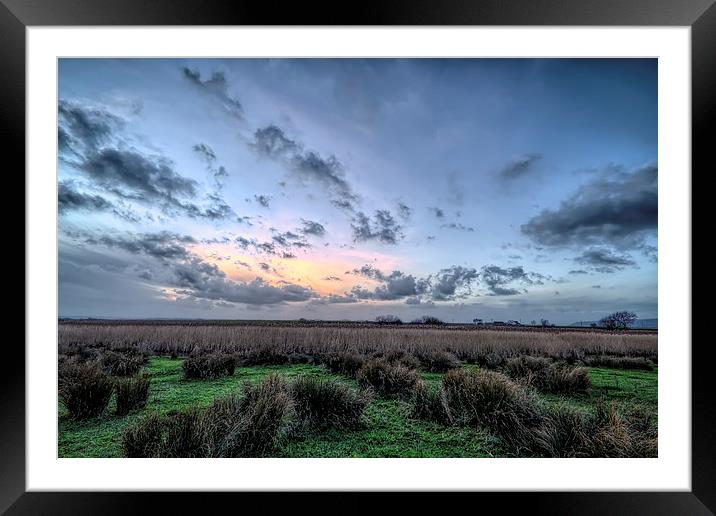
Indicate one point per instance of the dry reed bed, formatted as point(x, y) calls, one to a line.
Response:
point(183, 340)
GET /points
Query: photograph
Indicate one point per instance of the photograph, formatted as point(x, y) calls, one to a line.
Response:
point(396, 257)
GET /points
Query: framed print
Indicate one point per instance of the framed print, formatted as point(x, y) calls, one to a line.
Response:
point(421, 249)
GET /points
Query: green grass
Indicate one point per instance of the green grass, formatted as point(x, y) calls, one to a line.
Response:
point(388, 430)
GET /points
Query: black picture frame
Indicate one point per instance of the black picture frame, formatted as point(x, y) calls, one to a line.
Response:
point(17, 15)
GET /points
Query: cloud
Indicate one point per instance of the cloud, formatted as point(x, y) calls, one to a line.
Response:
point(133, 175)
point(86, 125)
point(578, 272)
point(215, 87)
point(312, 228)
point(272, 142)
point(150, 180)
point(520, 166)
point(163, 245)
point(498, 279)
point(619, 208)
point(343, 204)
point(449, 283)
point(452, 282)
point(332, 278)
point(190, 276)
point(69, 199)
point(383, 227)
point(438, 212)
point(206, 152)
point(404, 211)
point(263, 200)
point(604, 260)
point(459, 227)
point(306, 166)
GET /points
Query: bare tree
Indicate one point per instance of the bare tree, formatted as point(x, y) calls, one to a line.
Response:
point(618, 320)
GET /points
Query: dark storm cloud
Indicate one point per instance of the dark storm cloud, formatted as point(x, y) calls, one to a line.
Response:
point(256, 292)
point(216, 87)
point(448, 284)
point(519, 167)
point(162, 245)
point(263, 200)
point(129, 174)
point(306, 166)
point(195, 278)
point(455, 281)
point(382, 227)
point(89, 125)
point(604, 260)
point(150, 180)
point(498, 280)
point(69, 199)
point(458, 226)
point(312, 228)
point(133, 175)
point(619, 208)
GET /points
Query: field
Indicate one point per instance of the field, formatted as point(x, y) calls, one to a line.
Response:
point(414, 391)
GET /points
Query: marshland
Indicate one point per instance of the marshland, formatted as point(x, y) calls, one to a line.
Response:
point(213, 389)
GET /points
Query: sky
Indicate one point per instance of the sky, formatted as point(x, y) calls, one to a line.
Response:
point(501, 189)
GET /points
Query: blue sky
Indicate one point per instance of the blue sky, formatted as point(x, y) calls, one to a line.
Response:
point(345, 189)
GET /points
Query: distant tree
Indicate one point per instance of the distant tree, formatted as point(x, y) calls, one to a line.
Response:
point(593, 325)
point(428, 319)
point(533, 322)
point(388, 319)
point(544, 322)
point(618, 320)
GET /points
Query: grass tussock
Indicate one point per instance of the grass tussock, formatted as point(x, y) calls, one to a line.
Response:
point(428, 403)
point(320, 404)
point(569, 432)
point(84, 389)
point(546, 376)
point(399, 357)
point(250, 423)
point(388, 380)
point(345, 363)
point(177, 434)
point(132, 393)
point(490, 400)
point(209, 366)
point(122, 363)
point(438, 361)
